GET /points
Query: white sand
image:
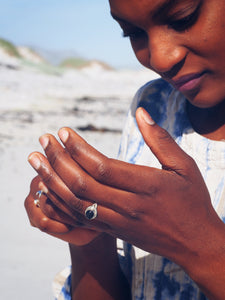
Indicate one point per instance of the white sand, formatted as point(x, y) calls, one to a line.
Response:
point(31, 104)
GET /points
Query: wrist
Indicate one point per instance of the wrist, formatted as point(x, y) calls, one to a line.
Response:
point(103, 244)
point(96, 266)
point(205, 264)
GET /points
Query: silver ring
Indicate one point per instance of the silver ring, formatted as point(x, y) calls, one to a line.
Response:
point(39, 193)
point(36, 201)
point(91, 212)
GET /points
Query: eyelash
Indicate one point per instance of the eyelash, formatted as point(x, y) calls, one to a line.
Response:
point(177, 25)
point(184, 23)
point(133, 35)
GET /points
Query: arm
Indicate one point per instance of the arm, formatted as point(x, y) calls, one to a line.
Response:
point(96, 272)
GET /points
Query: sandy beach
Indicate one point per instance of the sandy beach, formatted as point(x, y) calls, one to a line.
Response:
point(33, 101)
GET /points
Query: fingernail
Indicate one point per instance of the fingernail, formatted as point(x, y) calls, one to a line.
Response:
point(43, 187)
point(44, 140)
point(34, 161)
point(147, 118)
point(63, 134)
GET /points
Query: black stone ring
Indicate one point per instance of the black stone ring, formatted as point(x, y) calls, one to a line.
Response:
point(91, 212)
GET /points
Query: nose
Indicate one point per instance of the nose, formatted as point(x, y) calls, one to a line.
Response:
point(165, 52)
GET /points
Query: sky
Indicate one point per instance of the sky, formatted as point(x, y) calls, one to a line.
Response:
point(82, 26)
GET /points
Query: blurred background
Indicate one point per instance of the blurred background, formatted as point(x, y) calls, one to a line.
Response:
point(62, 63)
point(58, 30)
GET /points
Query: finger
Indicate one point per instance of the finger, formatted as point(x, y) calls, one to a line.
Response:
point(106, 215)
point(169, 154)
point(74, 235)
point(49, 206)
point(54, 182)
point(55, 208)
point(39, 220)
point(51, 211)
point(108, 171)
point(79, 181)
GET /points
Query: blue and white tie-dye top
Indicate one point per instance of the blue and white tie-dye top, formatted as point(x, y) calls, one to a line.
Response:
point(154, 277)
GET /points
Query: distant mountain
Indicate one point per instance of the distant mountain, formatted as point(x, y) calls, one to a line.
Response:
point(42, 59)
point(80, 63)
point(30, 55)
point(12, 54)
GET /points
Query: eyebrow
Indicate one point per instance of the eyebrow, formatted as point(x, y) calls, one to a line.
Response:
point(163, 7)
point(158, 11)
point(170, 4)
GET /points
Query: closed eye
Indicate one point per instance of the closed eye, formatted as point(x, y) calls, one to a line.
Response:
point(134, 34)
point(184, 23)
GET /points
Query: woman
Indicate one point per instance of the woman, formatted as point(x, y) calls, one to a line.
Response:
point(168, 198)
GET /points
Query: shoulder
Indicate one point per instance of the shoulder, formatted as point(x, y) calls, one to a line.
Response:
point(165, 104)
point(152, 96)
point(167, 108)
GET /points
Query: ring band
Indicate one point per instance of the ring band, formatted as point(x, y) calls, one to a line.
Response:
point(39, 193)
point(37, 201)
point(91, 212)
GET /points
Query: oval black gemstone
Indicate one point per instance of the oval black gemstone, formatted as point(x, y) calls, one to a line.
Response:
point(89, 214)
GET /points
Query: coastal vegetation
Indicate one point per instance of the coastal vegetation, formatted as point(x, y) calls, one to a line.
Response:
point(30, 57)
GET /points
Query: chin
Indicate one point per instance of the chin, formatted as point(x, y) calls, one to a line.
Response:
point(207, 98)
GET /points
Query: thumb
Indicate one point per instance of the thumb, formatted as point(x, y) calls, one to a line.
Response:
point(168, 153)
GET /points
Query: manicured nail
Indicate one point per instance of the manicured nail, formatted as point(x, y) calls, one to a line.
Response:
point(147, 118)
point(44, 140)
point(63, 134)
point(34, 160)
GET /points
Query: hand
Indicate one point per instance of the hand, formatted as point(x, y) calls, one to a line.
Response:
point(167, 212)
point(61, 225)
point(160, 211)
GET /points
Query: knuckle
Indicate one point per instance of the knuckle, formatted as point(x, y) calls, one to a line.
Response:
point(34, 184)
point(55, 157)
point(133, 214)
point(79, 186)
point(163, 135)
point(47, 176)
point(75, 149)
point(152, 190)
point(48, 210)
point(189, 164)
point(77, 206)
point(103, 171)
point(43, 224)
point(28, 203)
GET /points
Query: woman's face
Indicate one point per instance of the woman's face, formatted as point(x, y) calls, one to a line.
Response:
point(181, 40)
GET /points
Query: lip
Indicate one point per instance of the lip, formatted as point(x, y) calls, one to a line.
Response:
point(188, 82)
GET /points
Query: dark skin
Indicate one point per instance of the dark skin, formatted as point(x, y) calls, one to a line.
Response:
point(132, 200)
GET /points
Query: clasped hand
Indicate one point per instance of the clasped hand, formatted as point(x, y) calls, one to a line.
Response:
point(159, 210)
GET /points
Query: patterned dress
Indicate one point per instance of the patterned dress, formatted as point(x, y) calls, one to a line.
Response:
point(154, 277)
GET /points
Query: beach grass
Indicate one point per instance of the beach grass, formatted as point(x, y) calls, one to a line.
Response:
point(9, 48)
point(74, 63)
